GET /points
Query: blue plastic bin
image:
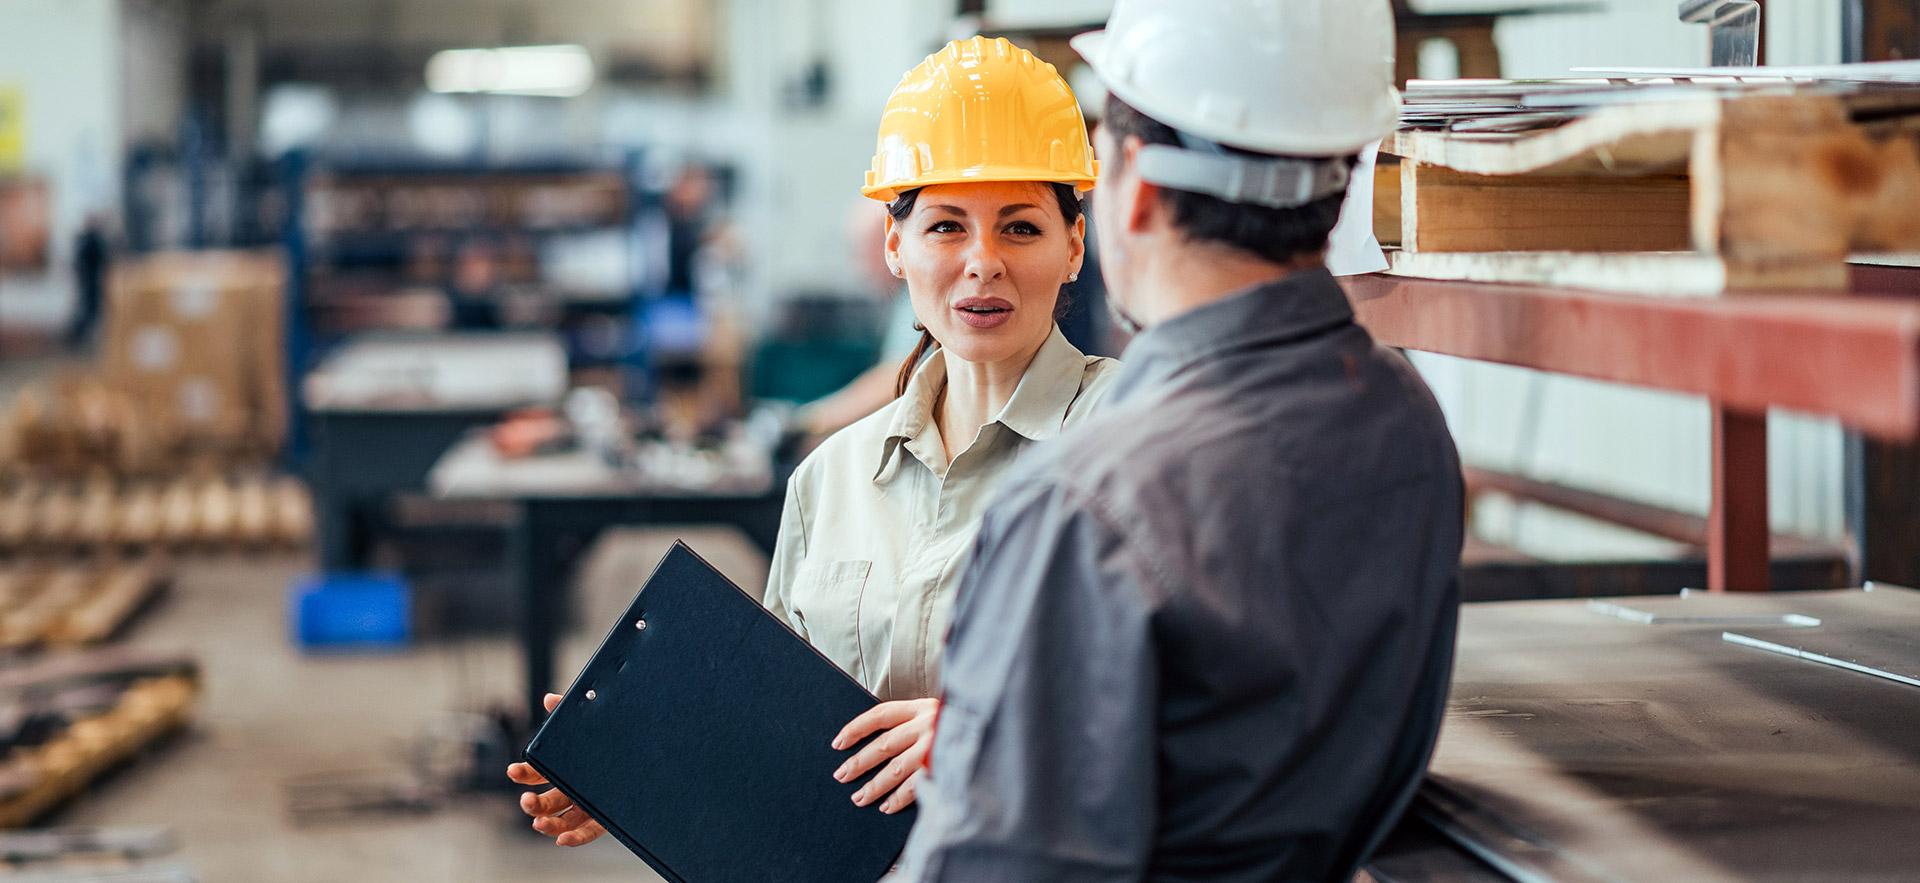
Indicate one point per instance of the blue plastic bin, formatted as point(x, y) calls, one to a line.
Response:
point(345, 611)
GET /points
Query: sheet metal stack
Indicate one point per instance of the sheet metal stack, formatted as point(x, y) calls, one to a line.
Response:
point(1700, 737)
point(1682, 182)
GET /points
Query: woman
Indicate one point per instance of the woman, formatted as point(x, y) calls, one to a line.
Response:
point(981, 152)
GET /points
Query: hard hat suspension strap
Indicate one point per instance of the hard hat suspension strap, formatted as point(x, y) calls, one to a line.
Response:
point(1280, 182)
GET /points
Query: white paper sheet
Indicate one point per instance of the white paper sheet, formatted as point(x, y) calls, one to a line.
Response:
point(1352, 250)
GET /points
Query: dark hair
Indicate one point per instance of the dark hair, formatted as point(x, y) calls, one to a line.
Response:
point(1280, 235)
point(902, 206)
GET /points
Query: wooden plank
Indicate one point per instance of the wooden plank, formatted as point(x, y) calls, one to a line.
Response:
point(1737, 531)
point(1450, 211)
point(1762, 179)
point(1856, 358)
point(1386, 201)
point(1666, 274)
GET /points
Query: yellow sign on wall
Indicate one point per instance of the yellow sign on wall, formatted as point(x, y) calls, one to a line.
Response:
point(13, 129)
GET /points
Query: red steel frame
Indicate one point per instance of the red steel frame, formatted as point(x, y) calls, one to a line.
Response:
point(1853, 356)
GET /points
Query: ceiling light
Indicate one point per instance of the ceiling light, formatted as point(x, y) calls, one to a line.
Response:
point(561, 71)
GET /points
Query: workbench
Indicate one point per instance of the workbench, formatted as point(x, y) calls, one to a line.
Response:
point(1855, 357)
point(386, 406)
point(566, 500)
point(1658, 739)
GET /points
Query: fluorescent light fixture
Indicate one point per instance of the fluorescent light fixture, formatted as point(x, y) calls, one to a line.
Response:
point(561, 71)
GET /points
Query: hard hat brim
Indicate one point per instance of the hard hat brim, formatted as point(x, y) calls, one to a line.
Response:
point(891, 192)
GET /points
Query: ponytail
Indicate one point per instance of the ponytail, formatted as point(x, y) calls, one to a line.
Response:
point(920, 350)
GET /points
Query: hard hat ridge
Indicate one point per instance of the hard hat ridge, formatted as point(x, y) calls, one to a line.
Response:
point(980, 110)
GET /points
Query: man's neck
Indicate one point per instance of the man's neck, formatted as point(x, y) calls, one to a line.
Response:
point(1182, 280)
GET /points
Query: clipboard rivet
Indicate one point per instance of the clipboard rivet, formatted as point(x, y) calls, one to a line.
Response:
point(640, 625)
point(592, 695)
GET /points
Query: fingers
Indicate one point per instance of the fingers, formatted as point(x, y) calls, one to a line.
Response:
point(903, 766)
point(886, 715)
point(582, 835)
point(524, 774)
point(554, 826)
point(875, 753)
point(552, 701)
point(903, 796)
point(545, 803)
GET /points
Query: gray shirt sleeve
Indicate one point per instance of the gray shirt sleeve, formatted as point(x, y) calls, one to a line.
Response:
point(1043, 763)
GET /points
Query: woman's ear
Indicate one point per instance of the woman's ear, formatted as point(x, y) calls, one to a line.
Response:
point(893, 248)
point(1077, 248)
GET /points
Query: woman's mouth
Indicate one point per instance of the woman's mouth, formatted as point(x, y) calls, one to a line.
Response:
point(984, 312)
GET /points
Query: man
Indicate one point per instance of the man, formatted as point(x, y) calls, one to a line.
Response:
point(1207, 635)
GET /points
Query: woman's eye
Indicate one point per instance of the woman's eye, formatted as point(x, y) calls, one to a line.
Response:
point(1023, 228)
point(945, 227)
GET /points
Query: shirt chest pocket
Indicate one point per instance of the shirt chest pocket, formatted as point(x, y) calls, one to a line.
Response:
point(827, 598)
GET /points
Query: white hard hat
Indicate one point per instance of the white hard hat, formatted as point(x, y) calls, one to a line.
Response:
point(1304, 78)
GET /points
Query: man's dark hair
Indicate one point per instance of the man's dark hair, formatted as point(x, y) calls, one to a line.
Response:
point(1279, 235)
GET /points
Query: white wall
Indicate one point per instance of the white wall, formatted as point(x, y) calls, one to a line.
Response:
point(153, 68)
point(62, 53)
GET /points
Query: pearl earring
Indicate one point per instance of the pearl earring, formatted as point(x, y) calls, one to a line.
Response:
point(1074, 278)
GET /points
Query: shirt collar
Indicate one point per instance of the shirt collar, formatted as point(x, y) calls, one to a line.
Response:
point(1037, 410)
point(1291, 308)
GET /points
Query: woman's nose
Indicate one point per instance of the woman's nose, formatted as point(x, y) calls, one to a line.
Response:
point(983, 261)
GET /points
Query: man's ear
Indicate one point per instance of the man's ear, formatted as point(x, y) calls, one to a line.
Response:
point(1139, 200)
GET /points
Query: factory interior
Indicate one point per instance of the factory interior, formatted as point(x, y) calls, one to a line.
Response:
point(362, 361)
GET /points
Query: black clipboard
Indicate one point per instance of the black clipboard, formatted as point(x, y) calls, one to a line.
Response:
point(701, 740)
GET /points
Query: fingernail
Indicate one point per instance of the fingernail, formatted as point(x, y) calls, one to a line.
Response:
point(887, 808)
point(837, 743)
point(859, 798)
point(840, 775)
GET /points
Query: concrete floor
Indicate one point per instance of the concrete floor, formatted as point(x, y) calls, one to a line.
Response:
point(270, 714)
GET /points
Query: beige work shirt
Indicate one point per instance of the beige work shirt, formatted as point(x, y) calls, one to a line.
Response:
point(877, 524)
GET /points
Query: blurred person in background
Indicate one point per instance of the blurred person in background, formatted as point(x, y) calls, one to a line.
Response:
point(873, 389)
point(981, 158)
point(90, 258)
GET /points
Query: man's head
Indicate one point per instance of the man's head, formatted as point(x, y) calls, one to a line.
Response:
point(1230, 131)
point(1137, 217)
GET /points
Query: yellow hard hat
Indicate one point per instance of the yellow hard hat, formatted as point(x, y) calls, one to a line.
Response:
point(980, 110)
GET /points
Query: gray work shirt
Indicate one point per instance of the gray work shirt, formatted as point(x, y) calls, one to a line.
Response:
point(1206, 635)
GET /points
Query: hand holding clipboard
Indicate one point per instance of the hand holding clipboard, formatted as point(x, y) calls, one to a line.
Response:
point(699, 736)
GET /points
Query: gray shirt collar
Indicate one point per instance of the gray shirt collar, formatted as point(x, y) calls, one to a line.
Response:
point(1294, 307)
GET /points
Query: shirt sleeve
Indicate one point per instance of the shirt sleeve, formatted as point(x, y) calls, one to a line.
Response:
point(1043, 763)
point(789, 549)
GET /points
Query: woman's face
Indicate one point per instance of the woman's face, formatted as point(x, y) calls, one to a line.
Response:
point(984, 264)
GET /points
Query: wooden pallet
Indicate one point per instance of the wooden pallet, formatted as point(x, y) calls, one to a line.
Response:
point(248, 512)
point(36, 779)
point(65, 604)
point(1759, 192)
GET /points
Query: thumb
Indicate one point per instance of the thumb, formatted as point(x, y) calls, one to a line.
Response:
point(553, 701)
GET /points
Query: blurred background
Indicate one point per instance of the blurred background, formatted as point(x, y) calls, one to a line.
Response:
point(359, 357)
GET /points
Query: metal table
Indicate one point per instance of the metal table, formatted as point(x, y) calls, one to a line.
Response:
point(1640, 743)
point(565, 502)
point(386, 406)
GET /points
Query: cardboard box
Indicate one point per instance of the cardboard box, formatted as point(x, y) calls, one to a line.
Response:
point(195, 340)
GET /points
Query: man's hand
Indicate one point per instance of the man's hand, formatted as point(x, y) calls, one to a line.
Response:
point(553, 814)
point(908, 739)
